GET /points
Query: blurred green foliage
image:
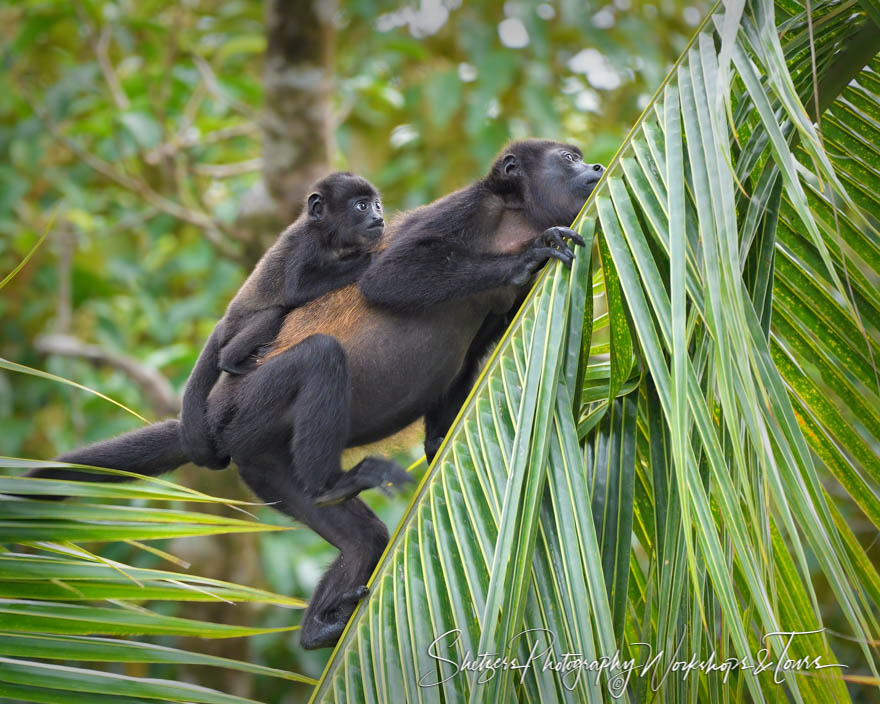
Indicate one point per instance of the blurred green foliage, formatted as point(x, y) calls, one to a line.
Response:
point(140, 121)
point(164, 92)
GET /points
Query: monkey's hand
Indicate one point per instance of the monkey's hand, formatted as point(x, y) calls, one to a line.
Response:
point(538, 254)
point(556, 236)
point(368, 473)
point(237, 369)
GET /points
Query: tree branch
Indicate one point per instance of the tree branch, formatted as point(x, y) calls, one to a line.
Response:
point(226, 170)
point(155, 387)
point(214, 88)
point(211, 226)
point(113, 83)
point(100, 43)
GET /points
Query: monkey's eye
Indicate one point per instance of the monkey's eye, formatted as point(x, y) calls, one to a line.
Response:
point(569, 156)
point(378, 205)
point(361, 205)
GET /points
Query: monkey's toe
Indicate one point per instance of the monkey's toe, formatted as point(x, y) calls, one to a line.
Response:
point(557, 236)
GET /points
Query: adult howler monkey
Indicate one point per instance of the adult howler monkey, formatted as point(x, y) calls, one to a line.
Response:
point(404, 343)
point(328, 247)
point(412, 332)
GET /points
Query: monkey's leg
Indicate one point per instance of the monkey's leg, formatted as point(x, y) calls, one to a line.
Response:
point(260, 329)
point(440, 417)
point(195, 435)
point(302, 397)
point(351, 527)
point(321, 424)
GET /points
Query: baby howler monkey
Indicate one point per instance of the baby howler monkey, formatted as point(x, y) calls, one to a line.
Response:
point(328, 247)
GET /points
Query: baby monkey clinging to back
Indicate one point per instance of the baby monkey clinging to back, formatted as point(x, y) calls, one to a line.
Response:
point(328, 247)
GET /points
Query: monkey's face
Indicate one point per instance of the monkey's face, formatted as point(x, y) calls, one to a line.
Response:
point(560, 183)
point(362, 219)
point(580, 176)
point(549, 179)
point(347, 211)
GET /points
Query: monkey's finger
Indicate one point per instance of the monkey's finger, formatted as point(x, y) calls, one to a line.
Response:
point(576, 238)
point(566, 257)
point(396, 477)
point(401, 477)
point(562, 248)
point(558, 235)
point(540, 255)
point(552, 238)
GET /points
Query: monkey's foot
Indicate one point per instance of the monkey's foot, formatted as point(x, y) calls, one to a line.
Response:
point(368, 473)
point(356, 594)
point(317, 632)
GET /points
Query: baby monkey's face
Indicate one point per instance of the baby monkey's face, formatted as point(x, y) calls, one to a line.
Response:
point(364, 220)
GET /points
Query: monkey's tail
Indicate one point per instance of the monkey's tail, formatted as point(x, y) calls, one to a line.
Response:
point(150, 451)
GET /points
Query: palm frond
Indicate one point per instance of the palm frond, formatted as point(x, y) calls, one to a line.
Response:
point(60, 601)
point(651, 475)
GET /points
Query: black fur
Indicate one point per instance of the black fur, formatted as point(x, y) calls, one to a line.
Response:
point(407, 345)
point(438, 296)
point(328, 247)
point(151, 451)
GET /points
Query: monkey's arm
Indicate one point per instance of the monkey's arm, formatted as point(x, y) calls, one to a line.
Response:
point(304, 283)
point(416, 275)
point(261, 328)
point(194, 433)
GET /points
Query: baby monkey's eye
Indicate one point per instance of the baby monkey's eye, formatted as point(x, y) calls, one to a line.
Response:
point(378, 205)
point(361, 205)
point(569, 156)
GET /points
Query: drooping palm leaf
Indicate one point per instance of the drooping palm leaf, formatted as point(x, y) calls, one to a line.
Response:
point(60, 603)
point(681, 502)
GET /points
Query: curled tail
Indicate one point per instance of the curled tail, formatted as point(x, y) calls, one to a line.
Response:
point(150, 451)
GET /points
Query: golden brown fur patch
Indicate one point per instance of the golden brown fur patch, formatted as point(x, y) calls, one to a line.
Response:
point(513, 234)
point(336, 314)
point(411, 436)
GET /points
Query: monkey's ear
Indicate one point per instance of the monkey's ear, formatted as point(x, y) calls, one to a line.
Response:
point(315, 205)
point(509, 165)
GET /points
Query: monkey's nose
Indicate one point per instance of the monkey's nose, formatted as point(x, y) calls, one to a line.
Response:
point(594, 173)
point(378, 222)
